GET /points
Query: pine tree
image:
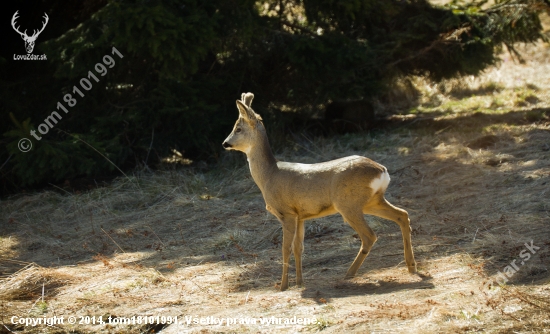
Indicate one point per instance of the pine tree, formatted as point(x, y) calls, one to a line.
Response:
point(186, 61)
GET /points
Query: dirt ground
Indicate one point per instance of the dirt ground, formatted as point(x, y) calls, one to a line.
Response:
point(471, 165)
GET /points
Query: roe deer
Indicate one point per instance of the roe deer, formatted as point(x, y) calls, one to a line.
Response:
point(294, 192)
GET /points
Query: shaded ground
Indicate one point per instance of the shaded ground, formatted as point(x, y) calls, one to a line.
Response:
point(474, 177)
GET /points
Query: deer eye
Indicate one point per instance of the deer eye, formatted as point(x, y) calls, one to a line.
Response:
point(237, 130)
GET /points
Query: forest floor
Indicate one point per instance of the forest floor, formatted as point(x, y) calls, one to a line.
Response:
point(470, 163)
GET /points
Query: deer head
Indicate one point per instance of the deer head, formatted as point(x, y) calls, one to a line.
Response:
point(29, 40)
point(245, 132)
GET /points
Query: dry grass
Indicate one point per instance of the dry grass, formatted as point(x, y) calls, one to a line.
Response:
point(29, 282)
point(200, 243)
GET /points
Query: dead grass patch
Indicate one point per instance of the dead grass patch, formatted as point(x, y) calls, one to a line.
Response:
point(32, 282)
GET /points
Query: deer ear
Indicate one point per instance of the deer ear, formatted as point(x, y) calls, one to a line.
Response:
point(245, 111)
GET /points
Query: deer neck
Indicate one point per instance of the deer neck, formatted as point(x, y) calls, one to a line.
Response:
point(261, 161)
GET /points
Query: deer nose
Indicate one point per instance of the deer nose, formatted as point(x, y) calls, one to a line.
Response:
point(226, 145)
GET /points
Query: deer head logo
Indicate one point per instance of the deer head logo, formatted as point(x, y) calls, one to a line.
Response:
point(29, 40)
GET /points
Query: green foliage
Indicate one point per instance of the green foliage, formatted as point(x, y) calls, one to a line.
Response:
point(186, 61)
point(506, 22)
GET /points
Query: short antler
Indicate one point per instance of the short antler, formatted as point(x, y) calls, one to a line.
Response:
point(247, 99)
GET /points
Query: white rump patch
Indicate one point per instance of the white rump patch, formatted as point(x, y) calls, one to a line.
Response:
point(381, 183)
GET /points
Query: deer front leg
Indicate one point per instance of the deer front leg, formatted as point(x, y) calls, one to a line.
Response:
point(298, 249)
point(289, 230)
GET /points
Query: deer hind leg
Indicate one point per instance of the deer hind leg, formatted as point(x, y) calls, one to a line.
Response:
point(298, 249)
point(380, 207)
point(289, 230)
point(367, 235)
